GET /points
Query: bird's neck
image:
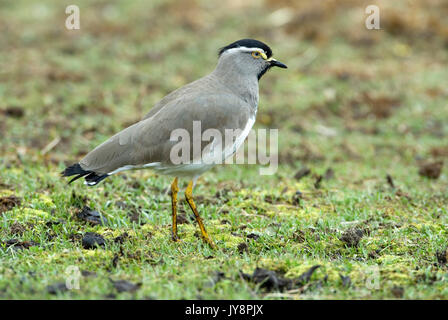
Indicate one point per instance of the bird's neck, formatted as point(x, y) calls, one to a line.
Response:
point(245, 86)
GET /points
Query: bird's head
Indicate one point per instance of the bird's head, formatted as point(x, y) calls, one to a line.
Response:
point(248, 56)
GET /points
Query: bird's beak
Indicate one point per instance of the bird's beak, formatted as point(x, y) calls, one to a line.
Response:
point(275, 63)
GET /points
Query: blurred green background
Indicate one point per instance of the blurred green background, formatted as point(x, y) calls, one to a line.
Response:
point(354, 106)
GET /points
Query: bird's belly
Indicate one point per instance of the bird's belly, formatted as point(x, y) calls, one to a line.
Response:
point(183, 170)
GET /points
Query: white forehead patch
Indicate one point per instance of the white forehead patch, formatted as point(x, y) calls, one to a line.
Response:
point(243, 49)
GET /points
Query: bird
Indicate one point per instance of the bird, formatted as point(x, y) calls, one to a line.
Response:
point(225, 99)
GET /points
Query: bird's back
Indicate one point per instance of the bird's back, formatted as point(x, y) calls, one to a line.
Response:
point(206, 84)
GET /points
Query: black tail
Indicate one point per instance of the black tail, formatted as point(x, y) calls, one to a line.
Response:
point(91, 177)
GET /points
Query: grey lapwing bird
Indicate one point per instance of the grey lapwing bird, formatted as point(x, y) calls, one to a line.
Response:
point(225, 99)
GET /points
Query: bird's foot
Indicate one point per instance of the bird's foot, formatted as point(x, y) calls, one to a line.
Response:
point(175, 238)
point(209, 242)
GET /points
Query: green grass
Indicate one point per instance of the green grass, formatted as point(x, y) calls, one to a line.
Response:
point(363, 103)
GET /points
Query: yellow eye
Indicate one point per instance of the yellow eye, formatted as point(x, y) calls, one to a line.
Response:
point(256, 54)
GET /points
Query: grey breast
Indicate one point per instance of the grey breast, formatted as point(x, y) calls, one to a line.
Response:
point(206, 100)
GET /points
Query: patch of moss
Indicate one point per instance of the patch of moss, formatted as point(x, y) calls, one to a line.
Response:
point(29, 215)
point(43, 200)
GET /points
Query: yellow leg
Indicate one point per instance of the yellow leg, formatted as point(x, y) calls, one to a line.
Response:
point(174, 190)
point(189, 196)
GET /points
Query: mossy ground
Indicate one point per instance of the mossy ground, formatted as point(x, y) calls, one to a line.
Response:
point(363, 103)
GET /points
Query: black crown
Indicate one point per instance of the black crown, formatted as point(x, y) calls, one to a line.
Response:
point(248, 43)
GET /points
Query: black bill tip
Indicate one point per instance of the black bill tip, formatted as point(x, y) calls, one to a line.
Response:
point(275, 63)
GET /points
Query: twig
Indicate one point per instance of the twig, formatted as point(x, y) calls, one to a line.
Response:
point(51, 145)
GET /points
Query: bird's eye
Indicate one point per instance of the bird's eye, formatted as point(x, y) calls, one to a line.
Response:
point(256, 54)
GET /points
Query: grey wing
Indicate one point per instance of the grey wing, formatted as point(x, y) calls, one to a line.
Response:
point(114, 153)
point(148, 141)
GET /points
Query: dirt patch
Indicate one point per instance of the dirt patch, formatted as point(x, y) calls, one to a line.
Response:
point(243, 247)
point(16, 244)
point(416, 27)
point(92, 240)
point(88, 274)
point(125, 286)
point(351, 237)
point(305, 171)
point(273, 281)
point(13, 112)
point(442, 257)
point(253, 236)
point(366, 105)
point(297, 198)
point(381, 106)
point(439, 152)
point(121, 238)
point(397, 292)
point(182, 218)
point(17, 228)
point(75, 237)
point(431, 169)
point(54, 222)
point(7, 203)
point(57, 288)
point(91, 216)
